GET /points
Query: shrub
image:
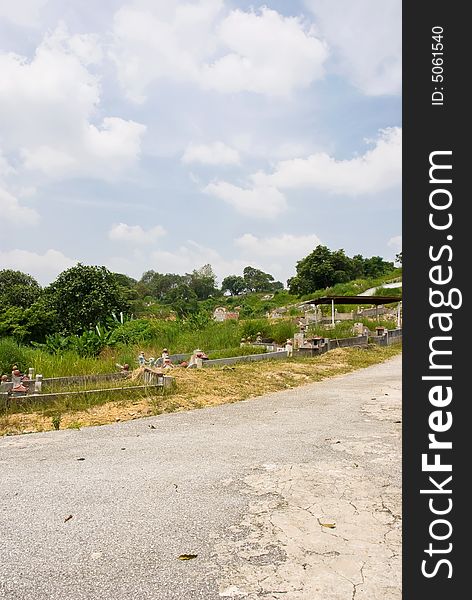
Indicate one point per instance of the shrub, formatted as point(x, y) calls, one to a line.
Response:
point(132, 332)
point(11, 353)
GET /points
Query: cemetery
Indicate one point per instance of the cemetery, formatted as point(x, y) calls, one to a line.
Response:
point(148, 377)
point(95, 342)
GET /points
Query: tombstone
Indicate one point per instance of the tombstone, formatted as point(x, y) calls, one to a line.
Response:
point(358, 329)
point(196, 360)
point(289, 348)
point(18, 389)
point(298, 340)
point(38, 384)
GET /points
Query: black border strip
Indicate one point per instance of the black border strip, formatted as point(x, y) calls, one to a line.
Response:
point(432, 124)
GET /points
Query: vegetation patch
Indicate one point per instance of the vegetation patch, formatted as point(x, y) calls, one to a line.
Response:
point(195, 389)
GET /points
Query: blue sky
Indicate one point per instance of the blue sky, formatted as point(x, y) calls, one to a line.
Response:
point(162, 134)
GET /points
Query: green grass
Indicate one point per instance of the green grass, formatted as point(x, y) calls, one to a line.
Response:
point(344, 328)
point(355, 287)
point(394, 292)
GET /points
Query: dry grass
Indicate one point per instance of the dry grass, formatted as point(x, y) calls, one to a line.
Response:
point(209, 387)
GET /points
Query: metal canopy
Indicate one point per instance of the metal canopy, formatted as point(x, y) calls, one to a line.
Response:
point(354, 300)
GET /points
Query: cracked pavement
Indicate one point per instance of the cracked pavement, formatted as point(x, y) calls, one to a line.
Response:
point(294, 495)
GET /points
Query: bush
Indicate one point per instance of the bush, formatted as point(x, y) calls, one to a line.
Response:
point(252, 327)
point(132, 332)
point(11, 353)
point(283, 330)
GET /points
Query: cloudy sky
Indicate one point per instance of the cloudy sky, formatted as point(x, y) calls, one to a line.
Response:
point(166, 134)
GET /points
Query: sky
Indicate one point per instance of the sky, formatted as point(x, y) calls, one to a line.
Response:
point(165, 135)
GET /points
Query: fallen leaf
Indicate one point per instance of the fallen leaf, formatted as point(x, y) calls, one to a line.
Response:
point(187, 556)
point(328, 525)
point(81, 458)
point(68, 518)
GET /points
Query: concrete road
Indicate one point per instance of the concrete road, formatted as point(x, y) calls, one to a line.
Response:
point(294, 495)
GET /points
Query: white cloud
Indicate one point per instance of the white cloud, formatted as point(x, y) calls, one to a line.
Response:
point(157, 40)
point(13, 213)
point(190, 256)
point(43, 267)
point(262, 201)
point(283, 246)
point(365, 37)
point(46, 109)
point(135, 233)
point(25, 13)
point(376, 170)
point(216, 153)
point(262, 52)
point(268, 54)
point(395, 243)
point(278, 254)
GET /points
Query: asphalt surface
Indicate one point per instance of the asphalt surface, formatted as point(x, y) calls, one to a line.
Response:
point(105, 512)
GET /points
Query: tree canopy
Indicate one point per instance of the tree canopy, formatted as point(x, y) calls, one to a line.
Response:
point(17, 289)
point(323, 268)
point(83, 296)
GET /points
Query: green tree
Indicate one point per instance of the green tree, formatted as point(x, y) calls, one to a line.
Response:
point(183, 300)
point(277, 285)
point(376, 266)
point(17, 289)
point(257, 281)
point(314, 272)
point(203, 282)
point(83, 296)
point(234, 284)
point(159, 285)
point(323, 268)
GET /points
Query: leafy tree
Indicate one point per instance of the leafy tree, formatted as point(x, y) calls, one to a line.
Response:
point(277, 285)
point(357, 266)
point(82, 296)
point(234, 284)
point(17, 289)
point(12, 323)
point(128, 286)
point(376, 266)
point(315, 271)
point(183, 300)
point(159, 285)
point(203, 282)
point(257, 281)
point(398, 258)
point(323, 268)
point(41, 319)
